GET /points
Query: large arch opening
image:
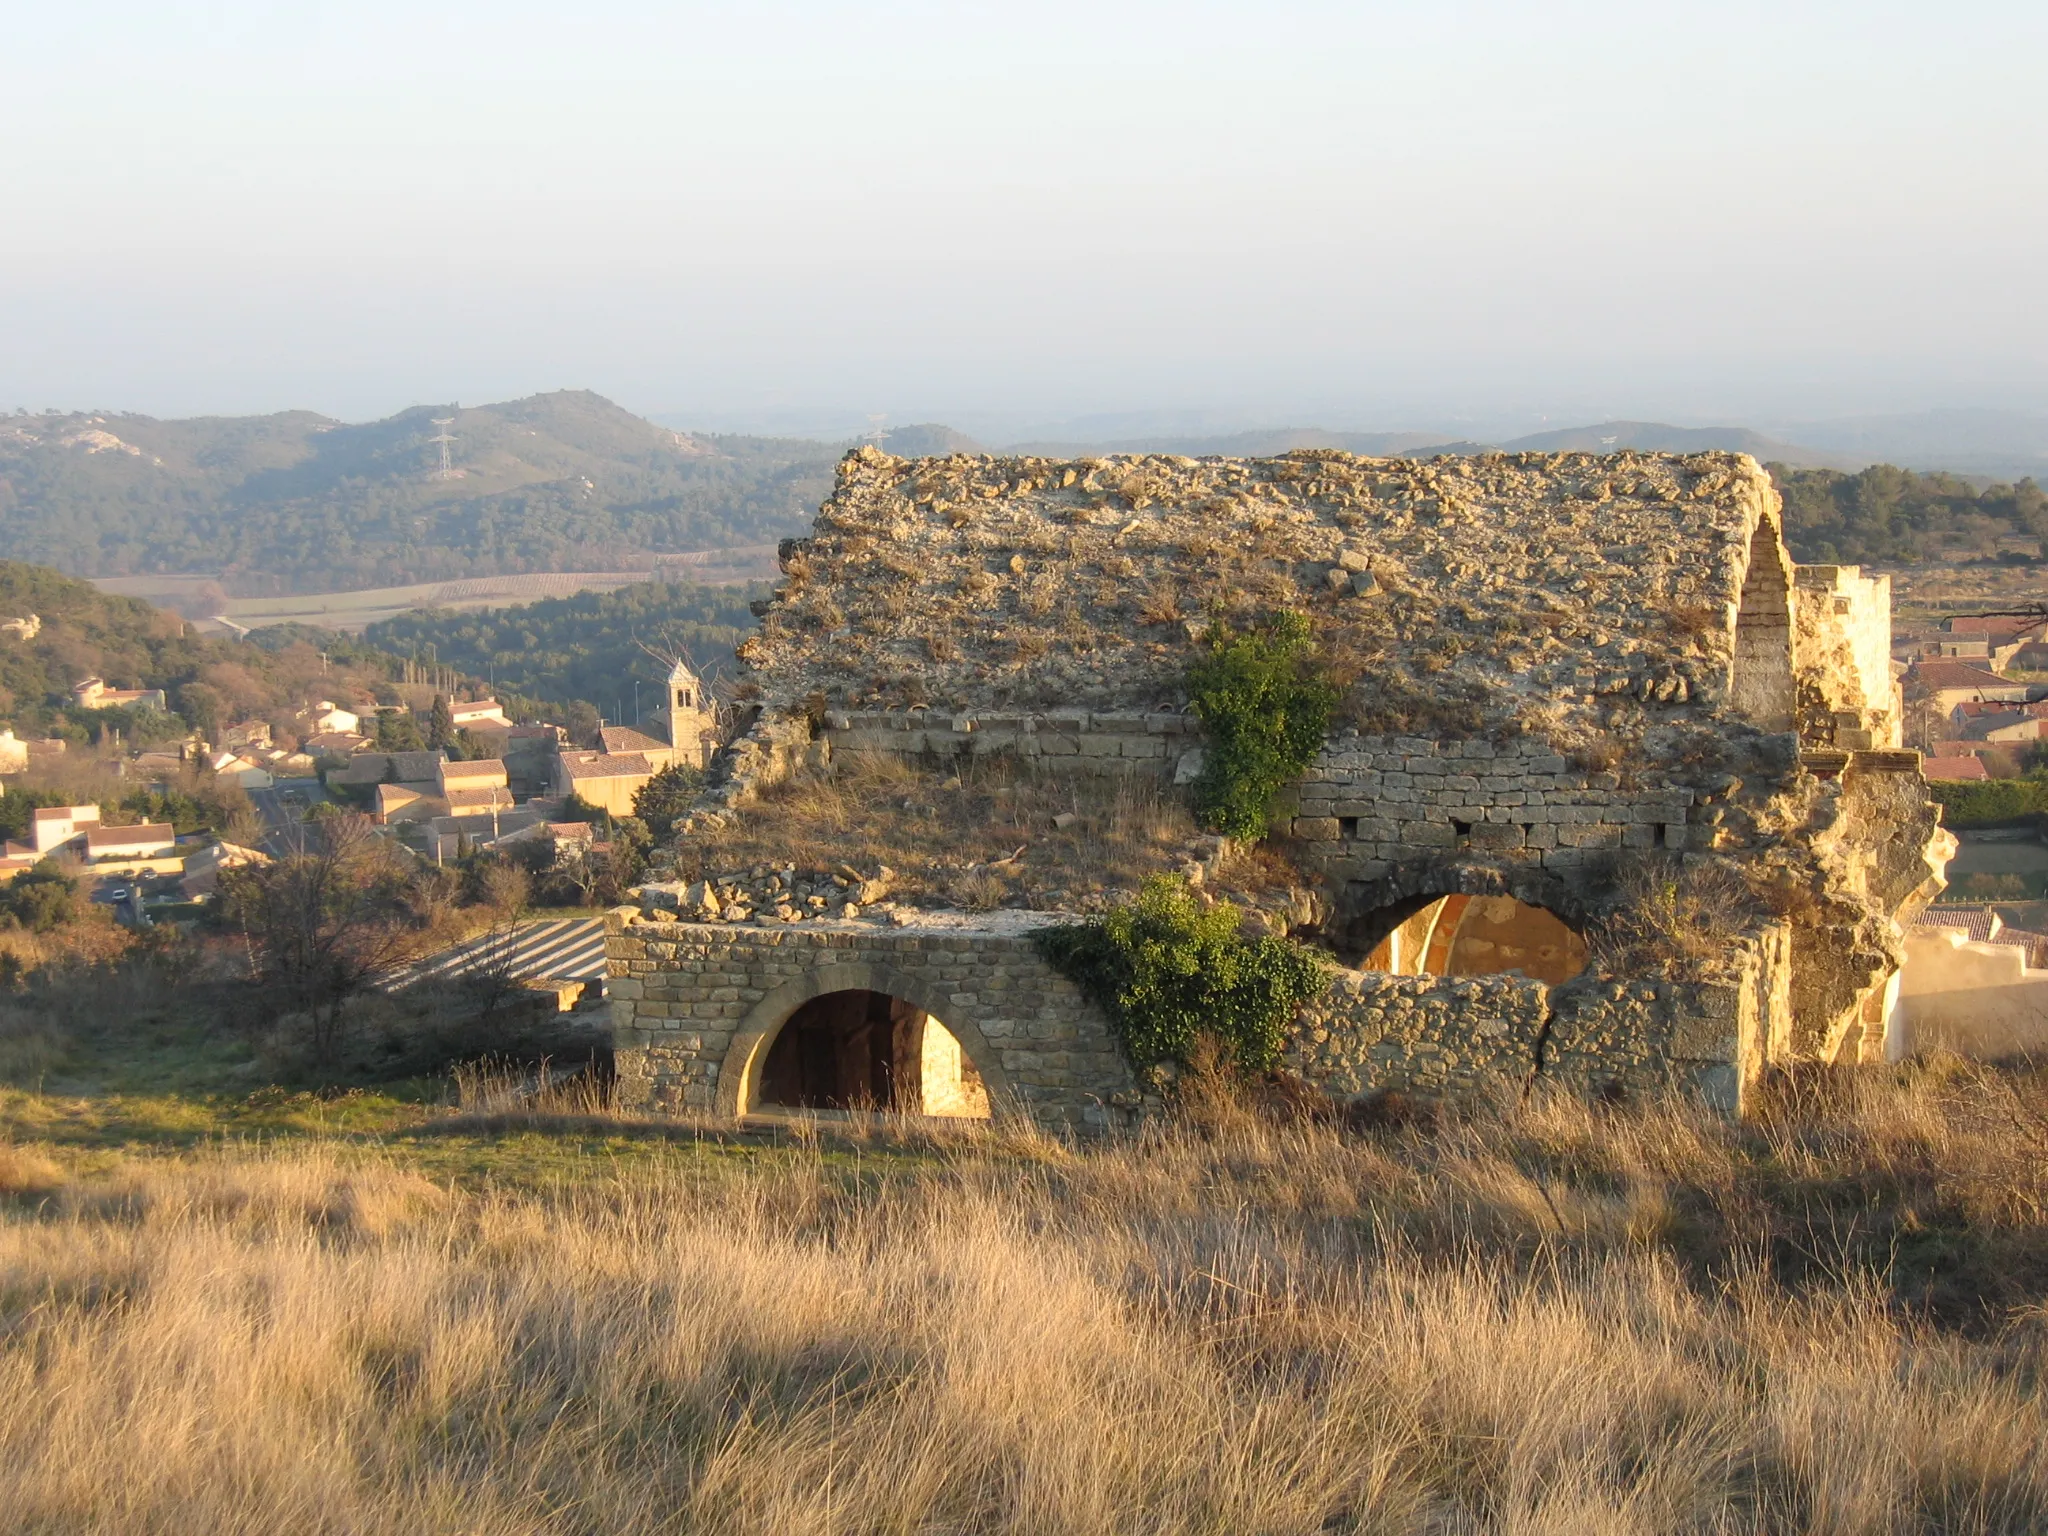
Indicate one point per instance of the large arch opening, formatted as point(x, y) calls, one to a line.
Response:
point(861, 1049)
point(1466, 935)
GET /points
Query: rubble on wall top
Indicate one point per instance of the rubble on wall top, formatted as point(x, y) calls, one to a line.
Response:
point(1025, 583)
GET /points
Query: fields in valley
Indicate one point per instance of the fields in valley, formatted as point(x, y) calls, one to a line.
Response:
point(355, 611)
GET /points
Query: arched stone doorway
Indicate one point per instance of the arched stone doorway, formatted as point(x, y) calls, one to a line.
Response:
point(936, 1064)
point(862, 1049)
point(1472, 935)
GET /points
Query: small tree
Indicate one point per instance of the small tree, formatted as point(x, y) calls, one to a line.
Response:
point(323, 924)
point(1168, 970)
point(662, 801)
point(397, 731)
point(1266, 711)
point(440, 722)
point(40, 898)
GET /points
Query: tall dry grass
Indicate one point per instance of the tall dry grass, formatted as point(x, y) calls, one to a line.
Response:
point(1526, 1320)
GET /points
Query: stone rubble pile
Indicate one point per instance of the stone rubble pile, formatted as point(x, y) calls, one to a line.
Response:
point(1024, 582)
point(768, 895)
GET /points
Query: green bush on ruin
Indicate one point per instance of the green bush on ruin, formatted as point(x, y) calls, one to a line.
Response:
point(1266, 708)
point(1168, 970)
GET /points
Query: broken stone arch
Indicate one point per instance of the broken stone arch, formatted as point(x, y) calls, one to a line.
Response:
point(1375, 913)
point(740, 1074)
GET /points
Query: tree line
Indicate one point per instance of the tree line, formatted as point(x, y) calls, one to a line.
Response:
point(1887, 515)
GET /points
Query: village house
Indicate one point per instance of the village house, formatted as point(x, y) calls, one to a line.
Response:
point(25, 627)
point(448, 835)
point(1958, 768)
point(1570, 669)
point(246, 733)
point(326, 716)
point(1998, 641)
point(150, 848)
point(336, 744)
point(13, 752)
point(1947, 684)
point(470, 714)
point(681, 730)
point(202, 870)
point(93, 693)
point(241, 767)
point(1972, 985)
point(607, 780)
point(483, 774)
point(53, 827)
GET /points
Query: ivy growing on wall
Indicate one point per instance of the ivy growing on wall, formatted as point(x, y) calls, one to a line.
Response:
point(1265, 707)
point(1167, 969)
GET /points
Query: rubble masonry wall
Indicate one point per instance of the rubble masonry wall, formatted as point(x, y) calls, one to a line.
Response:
point(695, 1006)
point(1370, 804)
point(1451, 1035)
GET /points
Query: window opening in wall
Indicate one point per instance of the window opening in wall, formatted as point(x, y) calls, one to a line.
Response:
point(1463, 935)
point(868, 1050)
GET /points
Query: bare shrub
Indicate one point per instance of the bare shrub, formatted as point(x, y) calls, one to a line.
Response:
point(1160, 605)
point(1670, 913)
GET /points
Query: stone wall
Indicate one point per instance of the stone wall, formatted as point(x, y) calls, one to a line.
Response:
point(1760, 687)
point(1072, 740)
point(1038, 584)
point(1450, 1035)
point(1848, 696)
point(695, 1007)
point(1972, 998)
point(1373, 803)
point(1433, 1035)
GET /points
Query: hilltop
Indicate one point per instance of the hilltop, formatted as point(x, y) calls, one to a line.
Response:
point(297, 502)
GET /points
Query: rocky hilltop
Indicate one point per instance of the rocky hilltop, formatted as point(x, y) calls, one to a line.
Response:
point(1479, 585)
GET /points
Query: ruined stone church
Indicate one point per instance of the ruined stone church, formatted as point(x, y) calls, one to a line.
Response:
point(1572, 682)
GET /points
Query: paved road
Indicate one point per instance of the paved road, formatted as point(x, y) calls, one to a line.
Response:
point(281, 818)
point(560, 949)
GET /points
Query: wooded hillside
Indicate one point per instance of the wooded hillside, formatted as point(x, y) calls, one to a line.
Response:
point(296, 502)
point(582, 648)
point(1886, 514)
point(208, 683)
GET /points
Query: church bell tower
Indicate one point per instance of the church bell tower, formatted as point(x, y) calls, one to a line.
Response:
point(687, 717)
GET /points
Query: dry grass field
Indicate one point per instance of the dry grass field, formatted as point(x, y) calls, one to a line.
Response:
point(1527, 1318)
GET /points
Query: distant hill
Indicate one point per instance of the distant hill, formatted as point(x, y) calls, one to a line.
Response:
point(2001, 445)
point(1656, 437)
point(1259, 444)
point(297, 502)
point(928, 441)
point(1607, 437)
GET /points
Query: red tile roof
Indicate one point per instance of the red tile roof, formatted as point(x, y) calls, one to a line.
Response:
point(606, 765)
point(1956, 674)
point(1954, 770)
point(2001, 630)
point(623, 738)
point(130, 837)
point(1978, 923)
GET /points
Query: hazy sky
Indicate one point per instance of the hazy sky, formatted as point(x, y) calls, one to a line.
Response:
point(1359, 214)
